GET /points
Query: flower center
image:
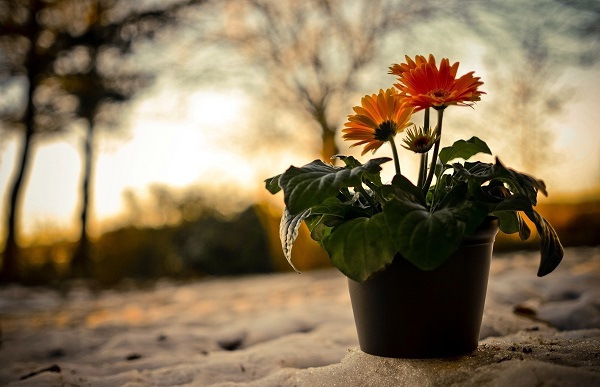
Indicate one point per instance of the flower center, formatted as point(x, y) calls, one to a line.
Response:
point(385, 131)
point(439, 93)
point(422, 142)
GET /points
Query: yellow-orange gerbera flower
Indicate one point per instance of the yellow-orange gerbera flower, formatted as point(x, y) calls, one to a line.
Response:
point(423, 85)
point(377, 120)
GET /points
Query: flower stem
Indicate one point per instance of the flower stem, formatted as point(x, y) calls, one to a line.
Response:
point(436, 149)
point(423, 165)
point(422, 170)
point(395, 153)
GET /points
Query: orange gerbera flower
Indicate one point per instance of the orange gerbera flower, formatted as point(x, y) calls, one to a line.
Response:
point(423, 85)
point(377, 120)
point(398, 69)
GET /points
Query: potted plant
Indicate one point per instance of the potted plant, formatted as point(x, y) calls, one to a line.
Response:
point(416, 254)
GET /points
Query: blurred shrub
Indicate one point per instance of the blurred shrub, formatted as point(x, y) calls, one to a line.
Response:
point(210, 245)
point(248, 242)
point(133, 253)
point(217, 246)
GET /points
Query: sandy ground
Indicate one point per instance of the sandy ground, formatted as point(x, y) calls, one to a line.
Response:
point(295, 330)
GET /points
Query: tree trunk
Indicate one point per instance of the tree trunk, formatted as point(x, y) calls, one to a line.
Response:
point(81, 265)
point(10, 270)
point(329, 147)
point(328, 132)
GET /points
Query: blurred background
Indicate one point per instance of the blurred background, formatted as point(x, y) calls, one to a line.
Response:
point(135, 135)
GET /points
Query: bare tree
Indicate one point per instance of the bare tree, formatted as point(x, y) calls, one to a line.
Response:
point(313, 55)
point(528, 47)
point(75, 59)
point(24, 62)
point(531, 99)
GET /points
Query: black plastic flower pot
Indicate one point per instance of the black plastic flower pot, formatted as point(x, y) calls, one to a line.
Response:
point(404, 312)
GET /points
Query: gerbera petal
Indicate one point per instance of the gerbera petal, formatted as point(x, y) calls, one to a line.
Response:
point(364, 119)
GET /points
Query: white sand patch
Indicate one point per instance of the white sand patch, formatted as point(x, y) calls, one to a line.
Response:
point(295, 330)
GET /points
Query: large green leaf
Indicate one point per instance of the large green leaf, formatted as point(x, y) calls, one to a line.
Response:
point(427, 239)
point(462, 149)
point(361, 247)
point(313, 183)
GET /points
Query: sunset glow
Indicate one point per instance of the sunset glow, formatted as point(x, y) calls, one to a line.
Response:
point(177, 140)
point(167, 144)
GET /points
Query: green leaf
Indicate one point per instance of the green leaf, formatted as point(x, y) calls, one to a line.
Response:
point(313, 183)
point(513, 203)
point(288, 232)
point(519, 182)
point(333, 208)
point(476, 174)
point(551, 249)
point(427, 239)
point(371, 174)
point(272, 184)
point(454, 197)
point(318, 228)
point(350, 161)
point(510, 220)
point(464, 150)
point(331, 213)
point(407, 189)
point(524, 231)
point(361, 247)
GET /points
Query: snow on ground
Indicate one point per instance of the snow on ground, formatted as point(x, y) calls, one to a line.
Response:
point(295, 330)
